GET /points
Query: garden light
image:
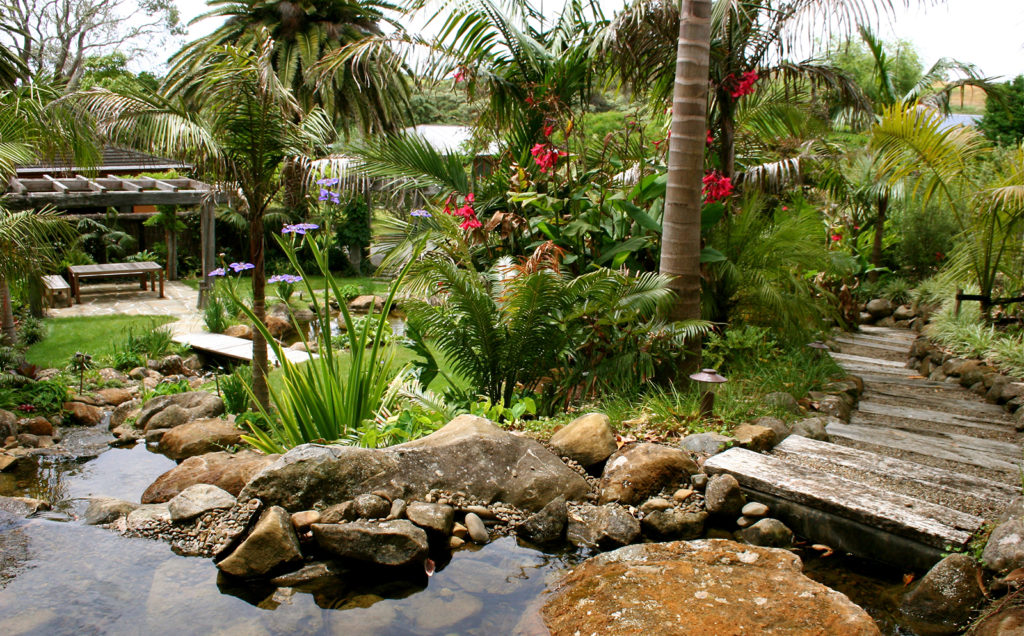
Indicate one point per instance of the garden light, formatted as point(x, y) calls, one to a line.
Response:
point(708, 380)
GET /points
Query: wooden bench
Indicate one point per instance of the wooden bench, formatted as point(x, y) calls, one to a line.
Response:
point(144, 270)
point(56, 287)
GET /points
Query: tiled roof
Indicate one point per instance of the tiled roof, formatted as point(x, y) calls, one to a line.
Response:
point(113, 159)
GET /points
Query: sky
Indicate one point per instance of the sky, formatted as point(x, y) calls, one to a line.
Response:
point(986, 33)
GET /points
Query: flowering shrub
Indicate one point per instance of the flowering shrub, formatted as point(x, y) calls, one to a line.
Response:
point(716, 187)
point(466, 211)
point(546, 156)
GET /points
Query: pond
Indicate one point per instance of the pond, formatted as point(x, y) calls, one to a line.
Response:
point(59, 576)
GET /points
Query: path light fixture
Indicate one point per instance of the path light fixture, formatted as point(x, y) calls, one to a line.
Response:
point(708, 380)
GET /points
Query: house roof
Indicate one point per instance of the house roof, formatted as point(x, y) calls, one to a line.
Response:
point(113, 160)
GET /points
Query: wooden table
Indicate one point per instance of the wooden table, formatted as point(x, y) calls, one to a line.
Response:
point(144, 270)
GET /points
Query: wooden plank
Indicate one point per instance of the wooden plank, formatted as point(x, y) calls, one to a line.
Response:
point(931, 395)
point(889, 332)
point(911, 381)
point(922, 521)
point(90, 184)
point(858, 369)
point(126, 184)
point(940, 446)
point(17, 186)
point(894, 341)
point(941, 417)
point(238, 348)
point(878, 362)
point(57, 185)
point(995, 492)
point(857, 342)
point(55, 282)
point(1007, 450)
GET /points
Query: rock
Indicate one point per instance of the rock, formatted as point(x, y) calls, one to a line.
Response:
point(1015, 510)
point(604, 527)
point(22, 506)
point(270, 544)
point(683, 494)
point(367, 302)
point(434, 518)
point(656, 503)
point(476, 529)
point(229, 471)
point(8, 424)
point(189, 406)
point(460, 530)
point(547, 525)
point(199, 437)
point(710, 443)
point(942, 601)
point(122, 412)
point(340, 513)
point(1006, 621)
point(783, 401)
point(8, 462)
point(371, 506)
point(318, 573)
point(1005, 548)
point(699, 587)
point(671, 524)
point(197, 500)
point(280, 328)
point(745, 521)
point(754, 509)
point(812, 428)
point(879, 308)
point(468, 455)
point(154, 435)
point(141, 373)
point(723, 496)
point(114, 397)
point(754, 437)
point(588, 439)
point(84, 414)
point(28, 440)
point(779, 427)
point(103, 510)
point(836, 406)
point(398, 508)
point(638, 471)
point(454, 543)
point(864, 318)
point(699, 481)
point(904, 312)
point(148, 515)
point(770, 533)
point(239, 331)
point(112, 375)
point(35, 426)
point(304, 519)
point(393, 543)
point(172, 365)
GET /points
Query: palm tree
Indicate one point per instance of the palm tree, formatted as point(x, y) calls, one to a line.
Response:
point(241, 125)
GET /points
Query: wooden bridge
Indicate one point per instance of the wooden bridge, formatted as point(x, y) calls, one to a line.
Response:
point(915, 473)
point(231, 347)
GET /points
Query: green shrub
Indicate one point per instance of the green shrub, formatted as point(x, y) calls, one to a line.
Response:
point(30, 329)
point(10, 358)
point(124, 359)
point(926, 238)
point(215, 315)
point(741, 342)
point(151, 340)
point(235, 388)
point(47, 396)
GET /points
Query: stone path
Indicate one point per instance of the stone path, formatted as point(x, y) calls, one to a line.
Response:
point(107, 299)
point(916, 472)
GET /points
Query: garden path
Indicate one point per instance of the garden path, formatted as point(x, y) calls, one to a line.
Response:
point(916, 472)
point(107, 299)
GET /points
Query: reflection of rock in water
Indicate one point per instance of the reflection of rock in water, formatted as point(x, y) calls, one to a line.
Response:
point(14, 550)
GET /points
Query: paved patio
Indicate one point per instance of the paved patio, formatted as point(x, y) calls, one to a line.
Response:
point(107, 299)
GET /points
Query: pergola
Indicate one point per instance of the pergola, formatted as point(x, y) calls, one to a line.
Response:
point(80, 192)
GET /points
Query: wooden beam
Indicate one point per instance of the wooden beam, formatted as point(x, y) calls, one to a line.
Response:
point(92, 185)
point(126, 184)
point(17, 186)
point(57, 185)
point(163, 185)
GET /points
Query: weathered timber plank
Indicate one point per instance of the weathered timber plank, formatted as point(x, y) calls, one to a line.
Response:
point(238, 348)
point(889, 332)
point(1006, 450)
point(997, 424)
point(922, 521)
point(933, 399)
point(796, 446)
point(911, 381)
point(856, 368)
point(878, 362)
point(900, 340)
point(938, 446)
point(859, 342)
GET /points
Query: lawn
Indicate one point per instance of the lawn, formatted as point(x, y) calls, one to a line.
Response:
point(95, 335)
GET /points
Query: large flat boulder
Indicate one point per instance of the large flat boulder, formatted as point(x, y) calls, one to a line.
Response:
point(198, 437)
point(168, 411)
point(394, 543)
point(712, 586)
point(228, 471)
point(639, 471)
point(468, 455)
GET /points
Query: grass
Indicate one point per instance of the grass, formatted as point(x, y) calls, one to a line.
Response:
point(95, 335)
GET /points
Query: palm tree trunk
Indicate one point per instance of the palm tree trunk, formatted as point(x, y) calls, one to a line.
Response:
point(259, 307)
point(876, 248)
point(680, 241)
point(6, 313)
point(727, 134)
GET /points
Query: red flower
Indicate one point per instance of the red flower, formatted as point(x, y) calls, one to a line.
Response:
point(529, 100)
point(546, 156)
point(744, 85)
point(836, 238)
point(550, 128)
point(939, 256)
point(785, 209)
point(460, 74)
point(471, 223)
point(711, 138)
point(470, 198)
point(716, 187)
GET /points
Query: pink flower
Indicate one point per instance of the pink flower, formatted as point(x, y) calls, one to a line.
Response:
point(548, 130)
point(470, 198)
point(744, 85)
point(711, 138)
point(546, 156)
point(460, 74)
point(716, 187)
point(471, 223)
point(836, 237)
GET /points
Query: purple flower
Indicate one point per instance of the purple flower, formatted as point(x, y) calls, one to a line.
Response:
point(299, 228)
point(217, 272)
point(324, 194)
point(285, 278)
point(335, 197)
point(420, 213)
point(240, 267)
point(328, 182)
